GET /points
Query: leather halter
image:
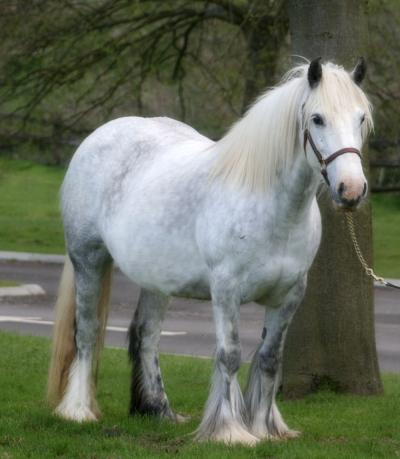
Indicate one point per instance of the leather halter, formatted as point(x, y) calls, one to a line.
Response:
point(324, 162)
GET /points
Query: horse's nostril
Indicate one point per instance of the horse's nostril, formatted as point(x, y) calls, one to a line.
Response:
point(364, 189)
point(341, 188)
point(350, 203)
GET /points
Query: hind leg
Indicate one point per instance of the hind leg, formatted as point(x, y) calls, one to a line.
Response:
point(78, 402)
point(147, 389)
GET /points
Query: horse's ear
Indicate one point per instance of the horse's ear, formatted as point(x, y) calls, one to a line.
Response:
point(314, 72)
point(358, 74)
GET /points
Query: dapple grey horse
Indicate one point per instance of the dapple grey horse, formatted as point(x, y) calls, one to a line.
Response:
point(232, 221)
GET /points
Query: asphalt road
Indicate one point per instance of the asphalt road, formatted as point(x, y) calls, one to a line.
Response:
point(188, 328)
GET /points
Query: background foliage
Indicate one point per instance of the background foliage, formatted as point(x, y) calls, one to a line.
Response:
point(67, 66)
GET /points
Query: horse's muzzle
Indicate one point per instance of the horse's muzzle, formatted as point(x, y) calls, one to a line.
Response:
point(349, 198)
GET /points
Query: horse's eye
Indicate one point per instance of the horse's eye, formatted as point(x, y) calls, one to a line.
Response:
point(362, 119)
point(317, 119)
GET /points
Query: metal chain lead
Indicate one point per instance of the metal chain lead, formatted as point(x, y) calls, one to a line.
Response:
point(369, 271)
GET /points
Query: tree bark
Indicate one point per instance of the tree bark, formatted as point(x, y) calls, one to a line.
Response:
point(332, 338)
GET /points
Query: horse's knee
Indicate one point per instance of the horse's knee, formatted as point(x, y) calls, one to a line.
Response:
point(269, 355)
point(229, 359)
point(269, 363)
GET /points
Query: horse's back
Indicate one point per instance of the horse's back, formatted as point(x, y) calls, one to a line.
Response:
point(131, 137)
point(121, 147)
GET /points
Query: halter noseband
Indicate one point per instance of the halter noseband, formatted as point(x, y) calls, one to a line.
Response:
point(324, 162)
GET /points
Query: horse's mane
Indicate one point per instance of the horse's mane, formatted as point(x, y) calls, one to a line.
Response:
point(261, 145)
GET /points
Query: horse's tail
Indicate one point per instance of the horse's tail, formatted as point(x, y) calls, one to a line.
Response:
point(64, 346)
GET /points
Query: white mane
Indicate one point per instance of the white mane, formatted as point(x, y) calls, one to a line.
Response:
point(261, 145)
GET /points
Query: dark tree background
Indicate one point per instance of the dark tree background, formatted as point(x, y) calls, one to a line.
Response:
point(108, 58)
point(67, 66)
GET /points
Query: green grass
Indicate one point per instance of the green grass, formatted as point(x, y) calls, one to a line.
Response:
point(386, 221)
point(30, 221)
point(29, 213)
point(8, 283)
point(333, 426)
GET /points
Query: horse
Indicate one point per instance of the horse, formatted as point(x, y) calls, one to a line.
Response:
point(234, 221)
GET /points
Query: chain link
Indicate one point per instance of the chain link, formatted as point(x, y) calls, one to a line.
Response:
point(369, 271)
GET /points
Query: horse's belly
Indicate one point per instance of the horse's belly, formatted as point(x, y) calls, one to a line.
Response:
point(160, 260)
point(172, 278)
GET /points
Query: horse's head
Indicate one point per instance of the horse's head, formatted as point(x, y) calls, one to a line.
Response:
point(336, 117)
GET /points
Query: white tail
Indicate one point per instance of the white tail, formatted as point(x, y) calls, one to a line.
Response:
point(64, 348)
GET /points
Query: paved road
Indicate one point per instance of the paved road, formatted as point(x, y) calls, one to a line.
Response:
point(188, 328)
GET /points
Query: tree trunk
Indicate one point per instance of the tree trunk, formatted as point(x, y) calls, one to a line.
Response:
point(332, 338)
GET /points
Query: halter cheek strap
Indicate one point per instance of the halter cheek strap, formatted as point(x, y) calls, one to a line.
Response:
point(324, 162)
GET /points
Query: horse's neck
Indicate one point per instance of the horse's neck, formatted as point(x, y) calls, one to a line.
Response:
point(295, 190)
point(284, 207)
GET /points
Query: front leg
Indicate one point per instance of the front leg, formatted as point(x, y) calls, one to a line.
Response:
point(223, 418)
point(263, 417)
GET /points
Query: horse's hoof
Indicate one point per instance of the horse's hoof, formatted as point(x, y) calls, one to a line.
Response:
point(77, 413)
point(233, 435)
point(264, 435)
point(237, 437)
point(282, 435)
point(290, 434)
point(180, 419)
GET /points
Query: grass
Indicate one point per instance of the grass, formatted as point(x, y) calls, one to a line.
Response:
point(30, 220)
point(386, 221)
point(333, 426)
point(29, 213)
point(8, 283)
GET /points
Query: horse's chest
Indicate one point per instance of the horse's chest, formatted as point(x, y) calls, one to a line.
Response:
point(274, 265)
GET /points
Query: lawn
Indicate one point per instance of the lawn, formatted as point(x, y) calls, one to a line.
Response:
point(30, 222)
point(333, 426)
point(8, 283)
point(386, 221)
point(29, 212)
